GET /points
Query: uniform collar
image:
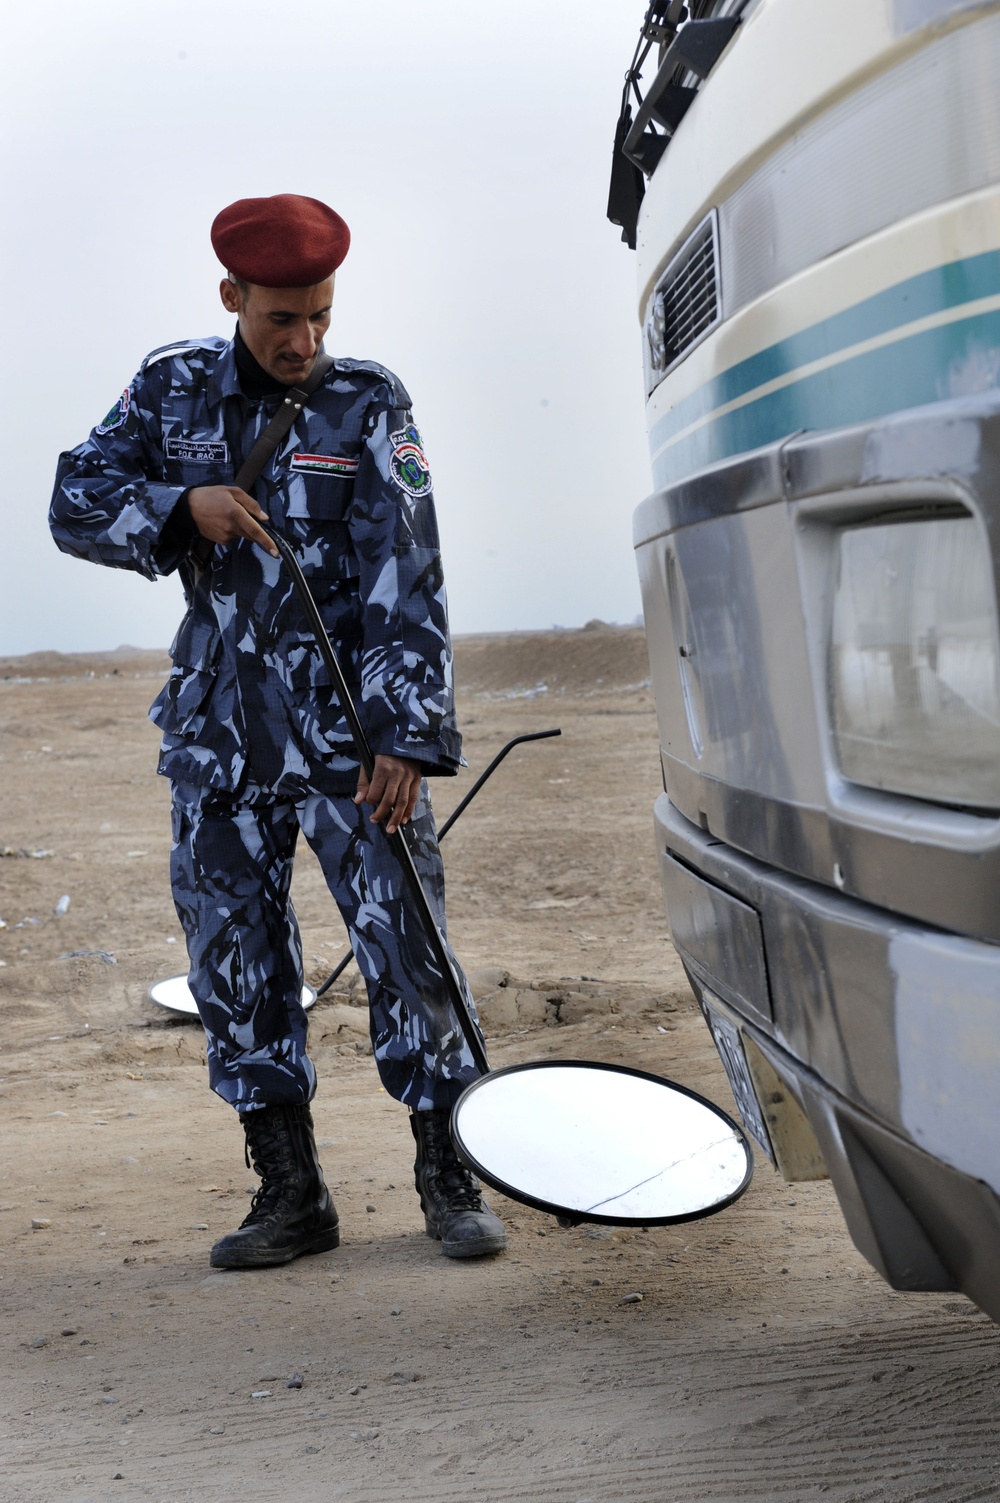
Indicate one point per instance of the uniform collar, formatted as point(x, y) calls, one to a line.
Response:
point(225, 378)
point(255, 382)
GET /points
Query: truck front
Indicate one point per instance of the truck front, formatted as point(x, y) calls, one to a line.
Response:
point(813, 192)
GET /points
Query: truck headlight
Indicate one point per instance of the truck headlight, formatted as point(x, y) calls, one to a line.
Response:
point(913, 675)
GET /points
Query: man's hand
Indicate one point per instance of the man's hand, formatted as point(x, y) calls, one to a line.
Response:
point(393, 790)
point(224, 513)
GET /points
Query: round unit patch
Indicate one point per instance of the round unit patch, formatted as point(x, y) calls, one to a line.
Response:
point(117, 415)
point(409, 468)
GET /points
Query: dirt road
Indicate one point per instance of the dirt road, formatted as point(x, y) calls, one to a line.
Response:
point(765, 1360)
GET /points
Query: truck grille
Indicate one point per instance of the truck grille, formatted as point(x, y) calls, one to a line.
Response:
point(685, 304)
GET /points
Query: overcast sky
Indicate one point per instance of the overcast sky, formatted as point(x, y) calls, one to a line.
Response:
point(468, 147)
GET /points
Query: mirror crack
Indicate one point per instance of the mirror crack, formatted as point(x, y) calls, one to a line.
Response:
point(620, 1194)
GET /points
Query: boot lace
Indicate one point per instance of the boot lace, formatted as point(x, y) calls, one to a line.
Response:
point(457, 1185)
point(268, 1147)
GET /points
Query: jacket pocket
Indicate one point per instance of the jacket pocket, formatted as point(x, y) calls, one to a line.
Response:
point(181, 707)
point(326, 553)
point(318, 498)
point(198, 642)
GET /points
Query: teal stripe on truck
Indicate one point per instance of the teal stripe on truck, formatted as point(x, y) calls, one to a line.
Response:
point(907, 372)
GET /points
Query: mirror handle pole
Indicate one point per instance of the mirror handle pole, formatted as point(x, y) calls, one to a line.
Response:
point(397, 841)
point(467, 800)
point(342, 965)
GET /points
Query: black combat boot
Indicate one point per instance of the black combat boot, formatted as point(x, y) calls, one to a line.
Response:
point(291, 1212)
point(450, 1197)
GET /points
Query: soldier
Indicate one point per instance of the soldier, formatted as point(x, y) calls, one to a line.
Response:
point(252, 744)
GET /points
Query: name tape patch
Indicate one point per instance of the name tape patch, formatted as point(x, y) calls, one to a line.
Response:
point(324, 464)
point(200, 450)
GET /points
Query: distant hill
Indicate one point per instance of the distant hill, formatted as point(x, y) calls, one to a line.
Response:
point(594, 656)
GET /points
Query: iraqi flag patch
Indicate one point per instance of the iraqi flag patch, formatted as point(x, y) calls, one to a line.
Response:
point(324, 464)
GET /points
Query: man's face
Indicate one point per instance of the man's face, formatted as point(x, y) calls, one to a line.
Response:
point(283, 326)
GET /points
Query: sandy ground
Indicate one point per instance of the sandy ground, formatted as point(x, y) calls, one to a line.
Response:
point(765, 1360)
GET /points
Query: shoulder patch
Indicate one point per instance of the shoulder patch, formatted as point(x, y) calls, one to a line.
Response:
point(409, 467)
point(117, 415)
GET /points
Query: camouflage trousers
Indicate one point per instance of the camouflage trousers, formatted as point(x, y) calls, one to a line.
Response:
point(231, 870)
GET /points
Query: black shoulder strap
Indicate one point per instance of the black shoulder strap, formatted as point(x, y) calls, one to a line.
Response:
point(295, 400)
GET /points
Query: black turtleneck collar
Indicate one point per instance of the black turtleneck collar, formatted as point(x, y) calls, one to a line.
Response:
point(255, 381)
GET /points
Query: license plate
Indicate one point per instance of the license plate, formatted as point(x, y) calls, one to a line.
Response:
point(730, 1046)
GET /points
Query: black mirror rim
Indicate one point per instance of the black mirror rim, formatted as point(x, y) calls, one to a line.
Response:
point(573, 1216)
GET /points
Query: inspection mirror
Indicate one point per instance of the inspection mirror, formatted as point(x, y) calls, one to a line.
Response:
point(602, 1143)
point(174, 995)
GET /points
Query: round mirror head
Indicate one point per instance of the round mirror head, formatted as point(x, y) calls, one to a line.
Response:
point(174, 995)
point(594, 1142)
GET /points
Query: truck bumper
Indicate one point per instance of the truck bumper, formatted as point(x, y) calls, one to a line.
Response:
point(858, 1044)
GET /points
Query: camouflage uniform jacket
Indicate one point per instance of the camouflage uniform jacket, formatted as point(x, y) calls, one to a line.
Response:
point(349, 486)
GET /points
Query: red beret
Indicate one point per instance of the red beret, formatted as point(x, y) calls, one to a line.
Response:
point(284, 241)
